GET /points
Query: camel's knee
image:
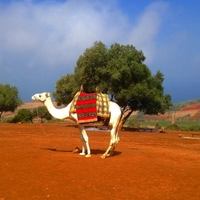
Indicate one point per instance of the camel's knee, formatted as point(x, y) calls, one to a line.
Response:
point(114, 140)
point(117, 139)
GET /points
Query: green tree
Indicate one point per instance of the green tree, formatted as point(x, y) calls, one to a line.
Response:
point(88, 72)
point(42, 113)
point(9, 99)
point(23, 115)
point(65, 89)
point(120, 72)
point(92, 69)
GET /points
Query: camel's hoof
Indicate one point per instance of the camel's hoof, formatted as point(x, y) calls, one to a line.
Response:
point(88, 156)
point(103, 156)
point(82, 154)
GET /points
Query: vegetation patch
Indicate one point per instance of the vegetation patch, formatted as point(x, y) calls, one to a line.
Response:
point(195, 128)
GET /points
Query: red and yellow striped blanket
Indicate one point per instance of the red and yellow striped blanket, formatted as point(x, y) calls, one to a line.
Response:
point(89, 106)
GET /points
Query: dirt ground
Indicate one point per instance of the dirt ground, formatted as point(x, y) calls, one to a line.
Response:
point(37, 162)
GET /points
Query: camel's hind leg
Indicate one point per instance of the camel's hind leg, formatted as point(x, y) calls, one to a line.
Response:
point(114, 139)
point(109, 151)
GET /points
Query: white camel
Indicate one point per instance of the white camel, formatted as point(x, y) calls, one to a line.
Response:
point(115, 122)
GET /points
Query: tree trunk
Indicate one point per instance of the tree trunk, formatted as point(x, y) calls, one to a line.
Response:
point(127, 115)
point(1, 115)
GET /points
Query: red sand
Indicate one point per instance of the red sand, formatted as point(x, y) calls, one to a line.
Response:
point(36, 162)
point(195, 106)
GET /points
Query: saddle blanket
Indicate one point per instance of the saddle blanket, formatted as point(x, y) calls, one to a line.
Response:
point(89, 106)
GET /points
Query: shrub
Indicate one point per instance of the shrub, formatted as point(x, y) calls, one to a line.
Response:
point(172, 127)
point(183, 128)
point(7, 120)
point(23, 115)
point(157, 127)
point(194, 128)
point(132, 122)
point(42, 113)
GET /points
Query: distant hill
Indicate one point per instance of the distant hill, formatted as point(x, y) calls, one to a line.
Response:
point(184, 104)
point(27, 105)
point(195, 106)
point(189, 110)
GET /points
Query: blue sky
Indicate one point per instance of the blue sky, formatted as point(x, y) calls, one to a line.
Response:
point(40, 41)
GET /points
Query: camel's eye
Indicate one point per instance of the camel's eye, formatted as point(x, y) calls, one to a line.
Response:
point(39, 95)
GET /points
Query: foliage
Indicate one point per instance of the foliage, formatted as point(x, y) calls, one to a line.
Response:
point(167, 123)
point(120, 72)
point(92, 69)
point(172, 127)
point(135, 123)
point(7, 120)
point(9, 99)
point(66, 88)
point(183, 128)
point(132, 122)
point(178, 126)
point(139, 114)
point(157, 126)
point(42, 113)
point(23, 115)
point(194, 128)
point(54, 120)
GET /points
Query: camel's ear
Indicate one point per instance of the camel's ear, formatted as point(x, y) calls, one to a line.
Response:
point(47, 94)
point(97, 89)
point(81, 88)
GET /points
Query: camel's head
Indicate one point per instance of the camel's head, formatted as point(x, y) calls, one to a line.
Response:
point(41, 97)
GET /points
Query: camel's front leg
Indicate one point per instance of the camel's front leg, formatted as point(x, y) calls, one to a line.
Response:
point(85, 141)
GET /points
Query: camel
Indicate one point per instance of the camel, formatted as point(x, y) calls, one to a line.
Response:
point(115, 122)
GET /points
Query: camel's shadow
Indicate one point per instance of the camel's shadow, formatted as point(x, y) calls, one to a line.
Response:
point(54, 149)
point(93, 151)
point(101, 152)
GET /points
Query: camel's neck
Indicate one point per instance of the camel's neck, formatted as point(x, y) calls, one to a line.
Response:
point(61, 113)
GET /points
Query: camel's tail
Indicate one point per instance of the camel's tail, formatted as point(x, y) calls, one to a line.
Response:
point(119, 127)
point(120, 122)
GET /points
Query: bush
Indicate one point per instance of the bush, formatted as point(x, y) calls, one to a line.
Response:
point(23, 115)
point(172, 127)
point(157, 127)
point(7, 120)
point(194, 128)
point(42, 113)
point(132, 122)
point(183, 128)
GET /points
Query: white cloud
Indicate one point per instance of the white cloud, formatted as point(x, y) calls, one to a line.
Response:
point(57, 33)
point(37, 36)
point(54, 34)
point(147, 28)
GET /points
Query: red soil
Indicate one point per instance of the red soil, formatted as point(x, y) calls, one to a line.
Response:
point(195, 106)
point(37, 162)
